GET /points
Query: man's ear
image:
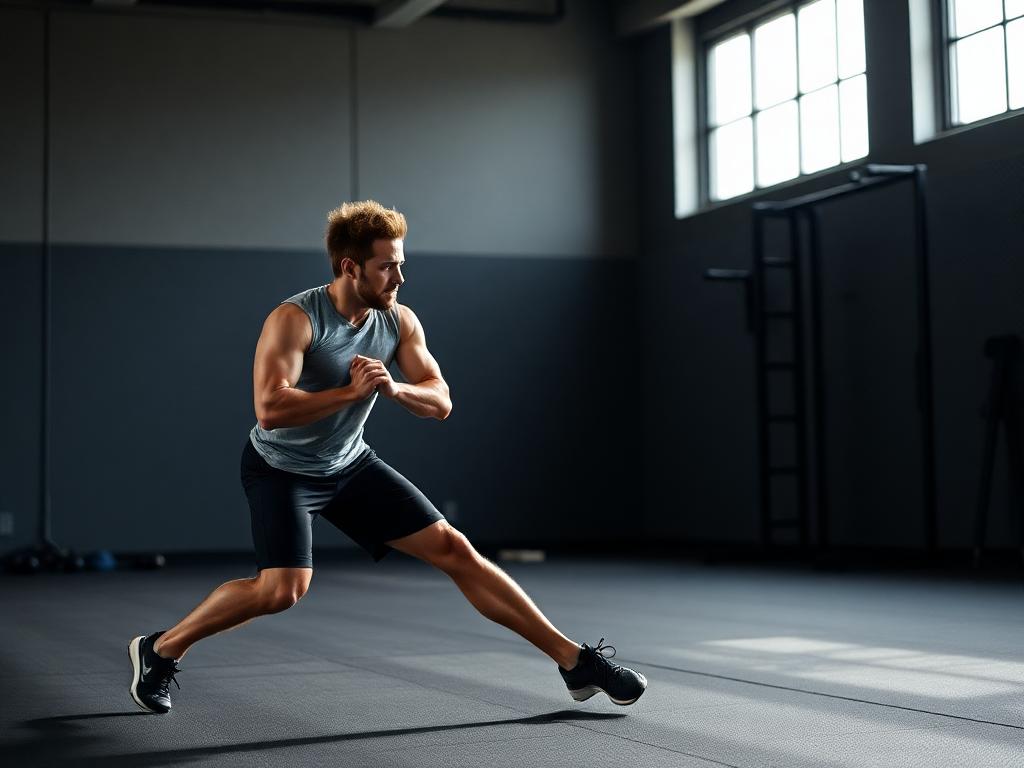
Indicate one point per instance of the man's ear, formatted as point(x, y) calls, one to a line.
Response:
point(348, 267)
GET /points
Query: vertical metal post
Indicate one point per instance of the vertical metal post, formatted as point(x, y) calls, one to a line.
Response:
point(818, 379)
point(45, 508)
point(924, 358)
point(799, 381)
point(353, 105)
point(762, 378)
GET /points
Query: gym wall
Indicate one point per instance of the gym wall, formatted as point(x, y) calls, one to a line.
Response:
point(193, 159)
point(706, 439)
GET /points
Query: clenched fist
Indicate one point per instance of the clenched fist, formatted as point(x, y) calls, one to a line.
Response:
point(369, 375)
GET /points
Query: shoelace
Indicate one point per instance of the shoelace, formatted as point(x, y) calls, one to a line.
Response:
point(601, 648)
point(165, 679)
point(606, 670)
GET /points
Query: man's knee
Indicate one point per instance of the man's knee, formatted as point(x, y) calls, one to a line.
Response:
point(280, 591)
point(456, 553)
point(282, 599)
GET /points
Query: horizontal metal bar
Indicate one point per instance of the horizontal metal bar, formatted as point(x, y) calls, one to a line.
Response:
point(880, 169)
point(783, 207)
point(395, 14)
point(727, 274)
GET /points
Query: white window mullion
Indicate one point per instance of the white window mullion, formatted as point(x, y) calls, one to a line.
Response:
point(753, 103)
point(839, 101)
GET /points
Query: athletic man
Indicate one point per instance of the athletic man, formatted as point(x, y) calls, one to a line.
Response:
point(321, 362)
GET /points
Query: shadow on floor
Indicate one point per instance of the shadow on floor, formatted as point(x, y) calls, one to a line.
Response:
point(61, 740)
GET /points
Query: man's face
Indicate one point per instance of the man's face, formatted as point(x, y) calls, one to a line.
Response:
point(378, 281)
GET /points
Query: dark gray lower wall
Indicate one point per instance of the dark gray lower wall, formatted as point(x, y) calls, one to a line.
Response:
point(152, 360)
point(20, 388)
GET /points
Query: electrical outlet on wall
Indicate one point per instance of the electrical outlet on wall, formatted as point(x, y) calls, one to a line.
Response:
point(6, 524)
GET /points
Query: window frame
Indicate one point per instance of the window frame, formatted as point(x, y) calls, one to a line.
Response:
point(746, 23)
point(943, 33)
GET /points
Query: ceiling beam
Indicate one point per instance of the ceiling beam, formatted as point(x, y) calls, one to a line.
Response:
point(402, 13)
point(641, 15)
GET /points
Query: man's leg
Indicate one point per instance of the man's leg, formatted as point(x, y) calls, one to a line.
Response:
point(234, 603)
point(154, 657)
point(379, 499)
point(488, 588)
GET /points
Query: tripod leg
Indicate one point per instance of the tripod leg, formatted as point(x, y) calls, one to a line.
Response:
point(1015, 468)
point(995, 410)
point(984, 489)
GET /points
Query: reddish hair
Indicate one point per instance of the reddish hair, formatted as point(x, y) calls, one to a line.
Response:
point(352, 228)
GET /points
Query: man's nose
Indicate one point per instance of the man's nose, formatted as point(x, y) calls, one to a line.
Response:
point(399, 278)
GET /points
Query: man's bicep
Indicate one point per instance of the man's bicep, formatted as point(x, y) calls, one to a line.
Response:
point(413, 358)
point(279, 352)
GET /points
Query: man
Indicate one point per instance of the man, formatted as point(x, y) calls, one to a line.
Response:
point(321, 361)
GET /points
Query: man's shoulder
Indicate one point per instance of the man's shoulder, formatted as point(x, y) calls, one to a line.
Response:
point(289, 312)
point(407, 321)
point(291, 319)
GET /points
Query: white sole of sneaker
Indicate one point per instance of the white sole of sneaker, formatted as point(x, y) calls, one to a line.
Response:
point(135, 654)
point(582, 694)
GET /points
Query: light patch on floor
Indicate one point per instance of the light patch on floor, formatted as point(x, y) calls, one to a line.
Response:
point(944, 676)
point(780, 645)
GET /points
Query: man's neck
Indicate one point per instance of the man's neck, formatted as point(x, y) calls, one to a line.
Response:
point(347, 302)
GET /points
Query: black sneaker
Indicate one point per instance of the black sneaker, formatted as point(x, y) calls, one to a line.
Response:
point(151, 675)
point(594, 673)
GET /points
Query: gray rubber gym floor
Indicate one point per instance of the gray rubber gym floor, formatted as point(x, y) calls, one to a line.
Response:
point(387, 665)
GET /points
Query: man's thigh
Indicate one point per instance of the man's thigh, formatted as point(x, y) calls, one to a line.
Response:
point(431, 544)
point(377, 505)
point(282, 506)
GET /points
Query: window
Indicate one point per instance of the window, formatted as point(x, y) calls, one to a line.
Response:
point(786, 95)
point(985, 44)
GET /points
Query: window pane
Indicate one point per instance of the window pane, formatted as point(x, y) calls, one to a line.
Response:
point(819, 125)
point(817, 45)
point(730, 80)
point(1015, 52)
point(853, 111)
point(732, 160)
point(775, 61)
point(778, 144)
point(971, 15)
point(1014, 8)
point(980, 76)
point(850, 23)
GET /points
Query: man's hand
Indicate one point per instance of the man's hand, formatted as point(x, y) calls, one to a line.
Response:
point(369, 375)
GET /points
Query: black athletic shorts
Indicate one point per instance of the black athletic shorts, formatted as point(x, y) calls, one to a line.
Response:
point(368, 501)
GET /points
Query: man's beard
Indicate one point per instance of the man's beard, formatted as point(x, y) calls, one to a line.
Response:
point(368, 297)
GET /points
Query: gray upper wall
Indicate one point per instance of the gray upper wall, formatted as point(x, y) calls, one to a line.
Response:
point(206, 131)
point(523, 147)
point(189, 132)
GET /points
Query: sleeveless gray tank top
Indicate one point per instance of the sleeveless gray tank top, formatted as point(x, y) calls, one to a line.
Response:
point(332, 443)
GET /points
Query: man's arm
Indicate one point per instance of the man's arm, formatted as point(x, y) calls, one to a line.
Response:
point(426, 395)
point(286, 336)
